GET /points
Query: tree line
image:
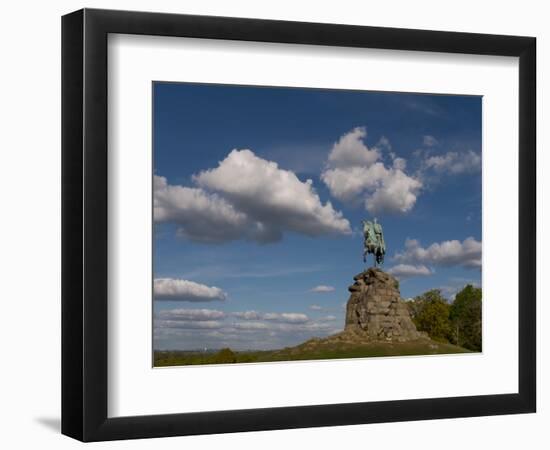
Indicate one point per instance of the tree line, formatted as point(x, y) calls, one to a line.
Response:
point(457, 322)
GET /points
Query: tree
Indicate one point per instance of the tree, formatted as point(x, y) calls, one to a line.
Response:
point(465, 316)
point(225, 355)
point(430, 313)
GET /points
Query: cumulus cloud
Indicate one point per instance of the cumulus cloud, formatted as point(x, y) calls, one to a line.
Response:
point(286, 317)
point(271, 316)
point(313, 327)
point(323, 325)
point(190, 314)
point(272, 196)
point(251, 326)
point(447, 253)
point(351, 176)
point(396, 194)
point(351, 151)
point(454, 163)
point(245, 197)
point(200, 216)
point(244, 330)
point(322, 288)
point(247, 315)
point(316, 307)
point(188, 324)
point(185, 291)
point(347, 184)
point(403, 271)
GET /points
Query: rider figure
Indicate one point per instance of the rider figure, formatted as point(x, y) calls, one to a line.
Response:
point(379, 236)
point(374, 241)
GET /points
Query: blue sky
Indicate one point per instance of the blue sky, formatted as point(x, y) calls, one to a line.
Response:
point(259, 196)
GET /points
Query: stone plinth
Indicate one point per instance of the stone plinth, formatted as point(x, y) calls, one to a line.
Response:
point(375, 309)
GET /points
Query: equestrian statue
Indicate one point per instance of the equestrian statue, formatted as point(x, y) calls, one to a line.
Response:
point(373, 241)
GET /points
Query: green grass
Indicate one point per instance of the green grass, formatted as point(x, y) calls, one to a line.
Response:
point(309, 351)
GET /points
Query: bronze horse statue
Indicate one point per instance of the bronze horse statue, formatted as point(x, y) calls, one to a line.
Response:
point(373, 241)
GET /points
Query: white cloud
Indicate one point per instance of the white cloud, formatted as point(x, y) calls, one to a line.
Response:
point(322, 325)
point(271, 316)
point(281, 330)
point(322, 289)
point(200, 216)
point(403, 271)
point(254, 200)
point(429, 141)
point(185, 290)
point(315, 327)
point(251, 326)
point(190, 314)
point(347, 184)
point(352, 177)
point(329, 318)
point(350, 150)
point(286, 317)
point(188, 324)
point(273, 198)
point(247, 315)
point(454, 163)
point(316, 307)
point(397, 194)
point(448, 253)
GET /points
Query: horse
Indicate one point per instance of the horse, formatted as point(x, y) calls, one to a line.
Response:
point(373, 242)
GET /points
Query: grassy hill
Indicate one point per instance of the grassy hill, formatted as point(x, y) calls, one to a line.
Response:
point(309, 350)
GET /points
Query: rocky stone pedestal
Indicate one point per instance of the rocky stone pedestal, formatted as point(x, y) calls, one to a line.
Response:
point(375, 309)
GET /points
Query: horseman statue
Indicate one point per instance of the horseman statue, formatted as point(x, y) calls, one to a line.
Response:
point(373, 241)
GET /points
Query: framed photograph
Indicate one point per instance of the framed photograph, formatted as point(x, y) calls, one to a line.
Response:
point(273, 224)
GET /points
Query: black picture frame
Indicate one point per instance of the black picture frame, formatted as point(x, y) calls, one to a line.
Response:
point(84, 224)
